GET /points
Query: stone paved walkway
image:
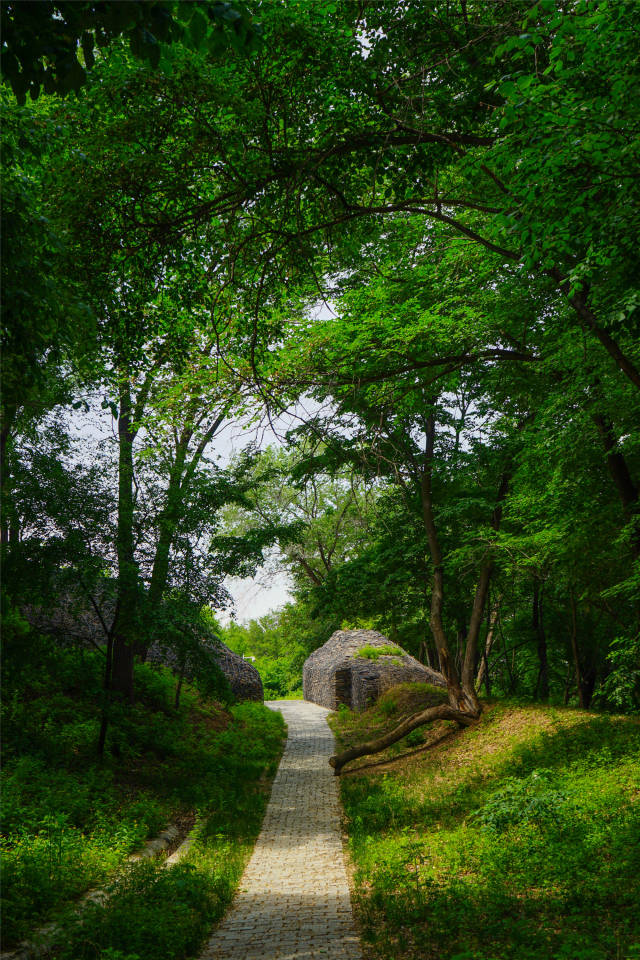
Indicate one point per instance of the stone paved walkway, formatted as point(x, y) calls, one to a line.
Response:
point(293, 902)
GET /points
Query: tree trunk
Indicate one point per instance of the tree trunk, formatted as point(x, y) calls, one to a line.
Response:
point(464, 706)
point(106, 686)
point(8, 416)
point(574, 647)
point(567, 685)
point(479, 602)
point(442, 712)
point(471, 646)
point(457, 698)
point(542, 682)
point(180, 478)
point(483, 672)
point(179, 686)
point(619, 471)
point(580, 303)
point(167, 524)
point(124, 627)
point(462, 691)
point(585, 679)
point(424, 655)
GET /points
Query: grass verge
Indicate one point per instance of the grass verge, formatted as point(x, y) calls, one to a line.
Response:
point(70, 821)
point(514, 840)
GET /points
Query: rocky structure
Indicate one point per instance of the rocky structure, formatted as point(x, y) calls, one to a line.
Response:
point(334, 674)
point(243, 677)
point(72, 621)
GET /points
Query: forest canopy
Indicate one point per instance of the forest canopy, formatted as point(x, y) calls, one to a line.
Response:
point(416, 220)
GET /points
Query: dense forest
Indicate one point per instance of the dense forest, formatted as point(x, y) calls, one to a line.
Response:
point(408, 231)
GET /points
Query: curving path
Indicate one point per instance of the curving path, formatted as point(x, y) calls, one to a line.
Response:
point(293, 902)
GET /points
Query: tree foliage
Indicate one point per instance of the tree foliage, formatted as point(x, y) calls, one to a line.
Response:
point(420, 219)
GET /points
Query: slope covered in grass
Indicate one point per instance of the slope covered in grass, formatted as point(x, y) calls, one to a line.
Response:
point(517, 839)
point(70, 820)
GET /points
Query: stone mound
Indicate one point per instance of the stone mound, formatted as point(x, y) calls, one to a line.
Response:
point(334, 674)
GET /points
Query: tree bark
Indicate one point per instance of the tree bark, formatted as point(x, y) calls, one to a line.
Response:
point(567, 685)
point(106, 686)
point(443, 712)
point(580, 303)
point(479, 601)
point(127, 598)
point(619, 471)
point(179, 687)
point(585, 676)
point(457, 698)
point(464, 705)
point(180, 477)
point(167, 525)
point(622, 361)
point(542, 683)
point(8, 417)
point(580, 684)
point(483, 671)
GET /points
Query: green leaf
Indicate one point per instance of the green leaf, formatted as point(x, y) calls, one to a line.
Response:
point(197, 28)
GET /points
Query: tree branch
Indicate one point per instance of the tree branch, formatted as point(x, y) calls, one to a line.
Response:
point(443, 712)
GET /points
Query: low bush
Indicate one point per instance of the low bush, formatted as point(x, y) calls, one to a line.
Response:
point(151, 912)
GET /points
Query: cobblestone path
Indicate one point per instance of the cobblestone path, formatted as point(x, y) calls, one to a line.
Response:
point(293, 902)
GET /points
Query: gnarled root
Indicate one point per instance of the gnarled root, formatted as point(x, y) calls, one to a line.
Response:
point(443, 712)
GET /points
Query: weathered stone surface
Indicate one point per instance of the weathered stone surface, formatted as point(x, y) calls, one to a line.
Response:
point(294, 898)
point(72, 621)
point(333, 674)
point(243, 677)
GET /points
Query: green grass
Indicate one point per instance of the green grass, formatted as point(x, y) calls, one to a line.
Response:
point(289, 695)
point(71, 821)
point(374, 653)
point(514, 840)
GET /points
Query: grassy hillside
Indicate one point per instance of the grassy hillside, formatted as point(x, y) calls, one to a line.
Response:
point(517, 839)
point(70, 821)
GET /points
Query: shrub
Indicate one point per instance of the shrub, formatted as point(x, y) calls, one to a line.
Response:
point(369, 652)
point(531, 799)
point(70, 821)
point(151, 912)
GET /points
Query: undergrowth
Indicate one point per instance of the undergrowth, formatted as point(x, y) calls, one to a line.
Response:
point(514, 840)
point(70, 820)
point(370, 652)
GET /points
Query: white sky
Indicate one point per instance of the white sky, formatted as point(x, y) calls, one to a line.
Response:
point(255, 597)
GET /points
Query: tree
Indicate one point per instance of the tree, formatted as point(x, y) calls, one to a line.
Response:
point(454, 114)
point(45, 321)
point(317, 520)
point(52, 46)
point(422, 167)
point(436, 383)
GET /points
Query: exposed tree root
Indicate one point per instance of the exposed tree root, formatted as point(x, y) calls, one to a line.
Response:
point(443, 712)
